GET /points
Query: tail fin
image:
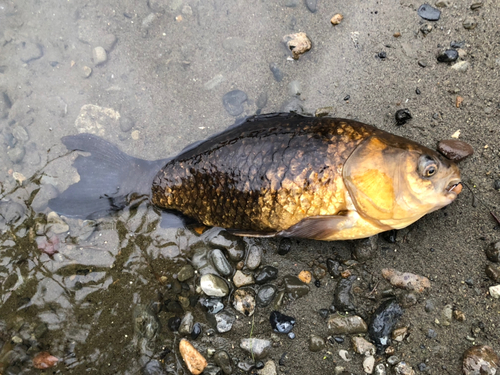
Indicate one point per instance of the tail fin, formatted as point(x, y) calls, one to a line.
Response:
point(108, 177)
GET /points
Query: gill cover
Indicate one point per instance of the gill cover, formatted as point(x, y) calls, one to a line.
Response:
point(376, 176)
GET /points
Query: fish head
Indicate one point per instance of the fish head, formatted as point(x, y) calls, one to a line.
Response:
point(393, 181)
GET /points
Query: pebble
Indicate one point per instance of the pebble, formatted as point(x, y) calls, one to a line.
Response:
point(285, 245)
point(220, 263)
point(266, 274)
point(383, 320)
point(108, 42)
point(399, 334)
point(258, 348)
point(126, 124)
point(44, 360)
point(213, 285)
point(496, 185)
point(305, 276)
point(365, 249)
point(447, 55)
point(428, 12)
point(265, 295)
point(443, 3)
point(402, 368)
point(16, 154)
point(223, 360)
point(194, 361)
point(402, 116)
point(493, 272)
point(20, 133)
point(277, 73)
point(495, 291)
point(426, 28)
point(29, 51)
point(380, 369)
point(254, 257)
point(294, 287)
point(234, 245)
point(5, 105)
point(447, 315)
point(99, 55)
point(298, 43)
point(455, 150)
point(469, 23)
point(344, 354)
point(369, 364)
point(240, 279)
point(86, 72)
point(312, 5)
point(333, 267)
point(224, 321)
point(337, 19)
point(362, 346)
point(281, 323)
point(316, 343)
point(196, 331)
point(461, 66)
point(233, 102)
point(186, 325)
point(185, 273)
point(244, 302)
point(268, 369)
point(406, 280)
point(55, 224)
point(476, 5)
point(345, 325)
point(493, 252)
point(343, 298)
point(213, 305)
point(212, 370)
point(153, 367)
point(480, 359)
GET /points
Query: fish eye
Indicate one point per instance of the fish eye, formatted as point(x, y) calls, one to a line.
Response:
point(427, 166)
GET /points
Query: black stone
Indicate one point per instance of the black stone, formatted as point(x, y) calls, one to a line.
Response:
point(282, 360)
point(174, 307)
point(323, 313)
point(496, 185)
point(339, 339)
point(285, 246)
point(383, 321)
point(382, 55)
point(266, 274)
point(281, 323)
point(493, 252)
point(317, 283)
point(448, 55)
point(428, 12)
point(233, 102)
point(174, 323)
point(390, 236)
point(417, 91)
point(265, 295)
point(422, 367)
point(402, 116)
point(196, 331)
point(347, 97)
point(333, 267)
point(343, 299)
point(277, 73)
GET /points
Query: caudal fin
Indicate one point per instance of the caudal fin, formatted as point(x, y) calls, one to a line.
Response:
point(108, 177)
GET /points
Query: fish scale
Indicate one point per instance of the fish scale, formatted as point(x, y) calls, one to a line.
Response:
point(265, 180)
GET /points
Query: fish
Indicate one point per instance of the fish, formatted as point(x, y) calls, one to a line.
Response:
point(274, 175)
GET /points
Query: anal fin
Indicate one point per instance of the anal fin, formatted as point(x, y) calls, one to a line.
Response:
point(318, 227)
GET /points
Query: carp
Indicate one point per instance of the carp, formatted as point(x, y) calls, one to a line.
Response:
point(283, 175)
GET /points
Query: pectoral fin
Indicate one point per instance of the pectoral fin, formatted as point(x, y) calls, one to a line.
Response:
point(318, 227)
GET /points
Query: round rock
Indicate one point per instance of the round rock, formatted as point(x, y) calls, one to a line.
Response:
point(220, 262)
point(213, 285)
point(233, 102)
point(265, 295)
point(428, 12)
point(455, 150)
point(316, 343)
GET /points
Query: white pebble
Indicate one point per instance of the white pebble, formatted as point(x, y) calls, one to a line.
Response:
point(369, 364)
point(99, 55)
point(495, 291)
point(344, 354)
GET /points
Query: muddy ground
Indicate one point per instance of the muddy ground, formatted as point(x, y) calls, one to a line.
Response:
point(161, 89)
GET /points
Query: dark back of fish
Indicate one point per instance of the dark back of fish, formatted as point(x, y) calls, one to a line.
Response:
point(264, 175)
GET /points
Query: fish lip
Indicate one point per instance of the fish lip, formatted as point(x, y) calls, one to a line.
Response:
point(454, 187)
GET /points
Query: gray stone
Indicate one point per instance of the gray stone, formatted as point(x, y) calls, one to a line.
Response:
point(469, 23)
point(265, 295)
point(294, 287)
point(55, 224)
point(346, 325)
point(29, 51)
point(41, 200)
point(213, 285)
point(99, 55)
point(294, 88)
point(186, 324)
point(108, 42)
point(365, 249)
point(16, 154)
point(493, 252)
point(258, 348)
point(223, 360)
point(20, 133)
point(312, 5)
point(220, 263)
point(233, 102)
point(185, 273)
point(254, 257)
point(380, 369)
point(126, 124)
point(316, 343)
point(224, 321)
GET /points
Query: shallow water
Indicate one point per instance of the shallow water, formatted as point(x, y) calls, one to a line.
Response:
point(92, 302)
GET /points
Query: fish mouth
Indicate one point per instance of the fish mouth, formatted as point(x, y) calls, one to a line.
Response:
point(454, 187)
